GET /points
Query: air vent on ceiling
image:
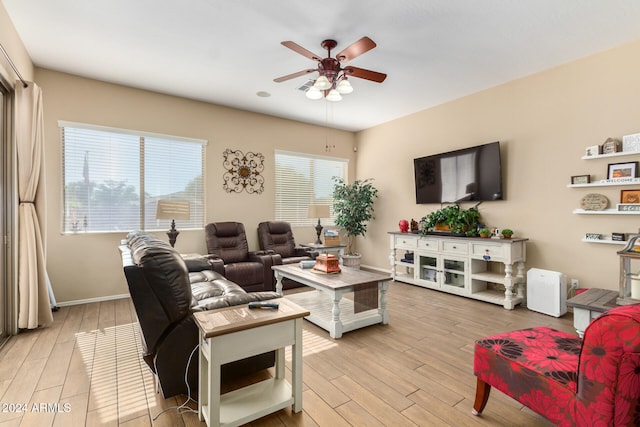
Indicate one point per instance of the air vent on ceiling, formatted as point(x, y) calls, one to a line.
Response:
point(306, 85)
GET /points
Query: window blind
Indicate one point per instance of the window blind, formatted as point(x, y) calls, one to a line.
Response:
point(113, 178)
point(302, 180)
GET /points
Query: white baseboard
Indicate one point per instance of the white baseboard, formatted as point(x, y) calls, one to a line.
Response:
point(90, 300)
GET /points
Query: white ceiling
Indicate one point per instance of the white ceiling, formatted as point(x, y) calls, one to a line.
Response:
point(225, 51)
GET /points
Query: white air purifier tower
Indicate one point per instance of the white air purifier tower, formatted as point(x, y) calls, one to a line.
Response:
point(547, 292)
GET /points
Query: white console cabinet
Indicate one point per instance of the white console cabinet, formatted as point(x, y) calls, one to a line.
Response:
point(465, 266)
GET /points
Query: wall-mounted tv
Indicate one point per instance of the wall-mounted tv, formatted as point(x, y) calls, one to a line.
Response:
point(469, 174)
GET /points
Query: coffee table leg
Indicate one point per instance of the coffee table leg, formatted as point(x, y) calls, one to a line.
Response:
point(384, 314)
point(278, 283)
point(335, 328)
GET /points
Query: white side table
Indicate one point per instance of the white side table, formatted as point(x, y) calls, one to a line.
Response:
point(326, 248)
point(234, 333)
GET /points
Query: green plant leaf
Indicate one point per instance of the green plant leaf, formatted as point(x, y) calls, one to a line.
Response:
point(353, 207)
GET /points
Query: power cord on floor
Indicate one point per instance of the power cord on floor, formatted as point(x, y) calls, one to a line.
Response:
point(183, 408)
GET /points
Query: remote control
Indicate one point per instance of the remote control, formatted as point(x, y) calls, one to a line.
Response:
point(263, 304)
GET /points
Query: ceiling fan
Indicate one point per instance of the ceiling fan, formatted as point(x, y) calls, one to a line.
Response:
point(332, 80)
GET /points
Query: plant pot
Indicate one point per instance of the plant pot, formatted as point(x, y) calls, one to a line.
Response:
point(485, 236)
point(352, 261)
point(506, 236)
point(441, 227)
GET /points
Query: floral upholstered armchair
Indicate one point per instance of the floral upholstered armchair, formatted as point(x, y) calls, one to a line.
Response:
point(594, 382)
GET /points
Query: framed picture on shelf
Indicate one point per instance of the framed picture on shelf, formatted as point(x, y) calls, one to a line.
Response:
point(622, 170)
point(630, 196)
point(611, 146)
point(594, 150)
point(581, 179)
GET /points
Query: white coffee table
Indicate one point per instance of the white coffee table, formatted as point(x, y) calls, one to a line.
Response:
point(328, 309)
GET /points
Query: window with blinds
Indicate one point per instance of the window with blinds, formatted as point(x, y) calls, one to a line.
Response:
point(303, 180)
point(113, 179)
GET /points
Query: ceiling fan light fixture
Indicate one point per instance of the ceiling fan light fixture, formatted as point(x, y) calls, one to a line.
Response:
point(313, 93)
point(334, 96)
point(344, 87)
point(322, 83)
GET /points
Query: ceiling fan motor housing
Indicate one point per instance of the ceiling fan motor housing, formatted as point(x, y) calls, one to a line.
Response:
point(329, 67)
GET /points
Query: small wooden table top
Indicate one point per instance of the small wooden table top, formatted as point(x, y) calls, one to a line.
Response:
point(347, 278)
point(594, 299)
point(240, 317)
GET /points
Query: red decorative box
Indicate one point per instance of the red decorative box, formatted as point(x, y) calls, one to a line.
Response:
point(327, 263)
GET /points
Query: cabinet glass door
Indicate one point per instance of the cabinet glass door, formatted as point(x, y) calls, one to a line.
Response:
point(428, 268)
point(454, 273)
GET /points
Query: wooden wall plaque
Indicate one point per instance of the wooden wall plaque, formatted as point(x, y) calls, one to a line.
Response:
point(594, 202)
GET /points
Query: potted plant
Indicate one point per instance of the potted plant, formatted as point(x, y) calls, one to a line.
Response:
point(507, 233)
point(353, 208)
point(453, 219)
point(484, 232)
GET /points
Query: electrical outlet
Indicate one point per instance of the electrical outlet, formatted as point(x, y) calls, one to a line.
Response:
point(574, 284)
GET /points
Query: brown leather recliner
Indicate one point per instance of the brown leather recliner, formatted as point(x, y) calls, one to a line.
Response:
point(249, 269)
point(278, 237)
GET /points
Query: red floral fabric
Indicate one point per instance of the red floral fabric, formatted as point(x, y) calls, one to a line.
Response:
point(594, 382)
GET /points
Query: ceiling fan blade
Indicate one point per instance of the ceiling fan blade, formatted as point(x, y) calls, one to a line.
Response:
point(294, 75)
point(363, 45)
point(299, 49)
point(365, 74)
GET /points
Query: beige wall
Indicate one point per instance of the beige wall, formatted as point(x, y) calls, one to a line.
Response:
point(544, 123)
point(88, 266)
point(15, 48)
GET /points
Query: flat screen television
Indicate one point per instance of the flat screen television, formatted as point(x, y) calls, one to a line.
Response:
point(469, 174)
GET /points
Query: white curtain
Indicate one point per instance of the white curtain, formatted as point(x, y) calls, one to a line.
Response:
point(34, 308)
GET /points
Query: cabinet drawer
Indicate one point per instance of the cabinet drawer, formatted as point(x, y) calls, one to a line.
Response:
point(455, 247)
point(405, 242)
point(428, 244)
point(479, 250)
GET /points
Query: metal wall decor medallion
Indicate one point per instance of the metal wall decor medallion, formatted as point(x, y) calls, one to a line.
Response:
point(243, 172)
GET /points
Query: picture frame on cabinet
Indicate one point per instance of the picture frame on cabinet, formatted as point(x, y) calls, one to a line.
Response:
point(581, 179)
point(622, 170)
point(630, 196)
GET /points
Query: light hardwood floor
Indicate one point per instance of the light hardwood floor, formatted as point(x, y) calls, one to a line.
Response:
point(85, 369)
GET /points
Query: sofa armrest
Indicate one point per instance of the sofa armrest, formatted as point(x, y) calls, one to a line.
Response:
point(262, 252)
point(268, 259)
point(197, 262)
point(310, 252)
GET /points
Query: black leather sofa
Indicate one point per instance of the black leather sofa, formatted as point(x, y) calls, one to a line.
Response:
point(166, 290)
